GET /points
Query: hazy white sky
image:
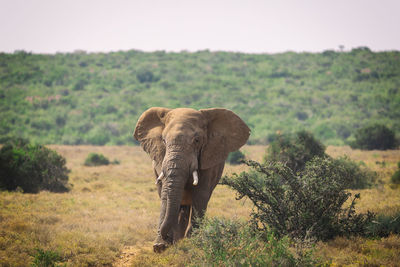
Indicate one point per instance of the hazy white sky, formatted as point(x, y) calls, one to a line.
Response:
point(48, 26)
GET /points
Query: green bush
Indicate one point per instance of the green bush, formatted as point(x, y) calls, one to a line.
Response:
point(295, 150)
point(396, 175)
point(94, 159)
point(384, 225)
point(235, 157)
point(32, 168)
point(223, 242)
point(356, 175)
point(309, 204)
point(376, 136)
point(46, 258)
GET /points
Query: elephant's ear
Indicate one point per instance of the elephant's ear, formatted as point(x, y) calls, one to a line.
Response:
point(148, 132)
point(226, 132)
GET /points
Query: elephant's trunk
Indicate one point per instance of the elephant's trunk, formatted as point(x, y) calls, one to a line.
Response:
point(175, 184)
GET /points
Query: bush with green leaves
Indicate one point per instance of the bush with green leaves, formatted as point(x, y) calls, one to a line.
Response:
point(235, 157)
point(295, 149)
point(32, 168)
point(95, 159)
point(309, 204)
point(375, 136)
point(46, 258)
point(396, 175)
point(357, 176)
point(384, 225)
point(223, 242)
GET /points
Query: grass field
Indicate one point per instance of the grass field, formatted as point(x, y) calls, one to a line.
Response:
point(113, 210)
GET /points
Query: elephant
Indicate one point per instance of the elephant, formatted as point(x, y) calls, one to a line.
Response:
point(188, 149)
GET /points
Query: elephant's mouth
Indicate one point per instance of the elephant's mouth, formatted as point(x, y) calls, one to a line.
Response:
point(186, 198)
point(195, 177)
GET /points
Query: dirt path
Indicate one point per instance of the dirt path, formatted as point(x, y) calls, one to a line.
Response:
point(126, 257)
point(129, 253)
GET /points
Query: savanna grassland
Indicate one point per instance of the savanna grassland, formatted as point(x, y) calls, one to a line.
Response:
point(110, 215)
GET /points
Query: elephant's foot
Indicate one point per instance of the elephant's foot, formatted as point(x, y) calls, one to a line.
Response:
point(161, 244)
point(159, 247)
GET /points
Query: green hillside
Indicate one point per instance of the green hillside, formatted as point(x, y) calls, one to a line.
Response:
point(96, 98)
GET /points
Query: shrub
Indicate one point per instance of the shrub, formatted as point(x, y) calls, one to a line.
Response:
point(376, 136)
point(384, 225)
point(222, 242)
point(32, 168)
point(94, 159)
point(295, 150)
point(235, 157)
point(396, 175)
point(309, 204)
point(356, 175)
point(47, 258)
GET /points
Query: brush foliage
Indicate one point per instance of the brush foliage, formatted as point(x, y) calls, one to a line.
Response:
point(309, 204)
point(32, 168)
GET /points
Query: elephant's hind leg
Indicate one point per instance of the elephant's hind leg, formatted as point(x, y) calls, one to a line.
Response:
point(183, 222)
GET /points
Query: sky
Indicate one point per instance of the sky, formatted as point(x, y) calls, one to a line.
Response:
point(250, 26)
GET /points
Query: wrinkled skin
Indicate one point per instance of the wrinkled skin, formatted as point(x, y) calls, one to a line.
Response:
point(181, 141)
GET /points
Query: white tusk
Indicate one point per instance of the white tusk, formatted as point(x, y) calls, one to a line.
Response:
point(195, 178)
point(159, 177)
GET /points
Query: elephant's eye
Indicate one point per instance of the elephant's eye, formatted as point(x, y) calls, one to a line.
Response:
point(197, 139)
point(163, 140)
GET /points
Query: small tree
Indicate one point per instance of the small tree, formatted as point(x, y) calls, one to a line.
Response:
point(295, 150)
point(32, 168)
point(375, 136)
point(309, 204)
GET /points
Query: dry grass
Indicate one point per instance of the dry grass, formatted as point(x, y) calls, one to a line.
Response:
point(114, 206)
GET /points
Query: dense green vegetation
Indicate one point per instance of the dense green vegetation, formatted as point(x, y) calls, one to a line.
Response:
point(313, 203)
point(96, 98)
point(295, 150)
point(376, 136)
point(298, 149)
point(31, 168)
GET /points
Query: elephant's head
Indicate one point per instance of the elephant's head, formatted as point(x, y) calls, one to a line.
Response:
point(183, 142)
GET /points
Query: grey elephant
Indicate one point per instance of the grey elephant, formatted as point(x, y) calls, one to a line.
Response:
point(188, 148)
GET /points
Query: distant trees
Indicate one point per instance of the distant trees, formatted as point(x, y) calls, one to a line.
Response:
point(146, 76)
point(48, 98)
